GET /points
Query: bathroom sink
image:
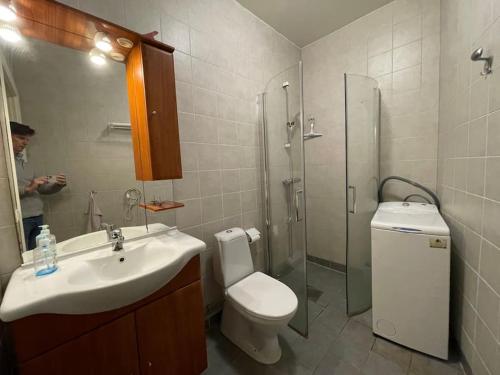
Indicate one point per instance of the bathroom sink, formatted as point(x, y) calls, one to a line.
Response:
point(134, 259)
point(100, 280)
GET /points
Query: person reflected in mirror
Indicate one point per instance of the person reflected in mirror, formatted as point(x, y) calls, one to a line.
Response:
point(31, 185)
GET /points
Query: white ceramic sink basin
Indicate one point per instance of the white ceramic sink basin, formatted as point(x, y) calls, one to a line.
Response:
point(100, 280)
point(135, 259)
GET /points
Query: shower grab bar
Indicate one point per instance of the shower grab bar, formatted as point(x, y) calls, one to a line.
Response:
point(413, 183)
point(353, 188)
point(298, 217)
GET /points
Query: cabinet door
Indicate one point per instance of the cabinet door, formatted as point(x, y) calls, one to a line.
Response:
point(171, 335)
point(153, 113)
point(110, 350)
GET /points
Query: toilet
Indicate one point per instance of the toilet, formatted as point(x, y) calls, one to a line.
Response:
point(256, 306)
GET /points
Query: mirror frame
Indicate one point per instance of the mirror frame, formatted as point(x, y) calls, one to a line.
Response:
point(6, 74)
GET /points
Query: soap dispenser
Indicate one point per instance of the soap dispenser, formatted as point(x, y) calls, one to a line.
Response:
point(44, 255)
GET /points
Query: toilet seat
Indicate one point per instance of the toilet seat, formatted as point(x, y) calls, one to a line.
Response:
point(263, 297)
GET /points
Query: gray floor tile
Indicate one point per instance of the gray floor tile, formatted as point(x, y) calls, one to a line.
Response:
point(353, 344)
point(364, 318)
point(334, 364)
point(334, 319)
point(310, 351)
point(358, 333)
point(314, 311)
point(393, 352)
point(378, 365)
point(422, 364)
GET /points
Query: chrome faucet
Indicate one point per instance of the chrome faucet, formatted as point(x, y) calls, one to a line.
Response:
point(109, 230)
point(117, 239)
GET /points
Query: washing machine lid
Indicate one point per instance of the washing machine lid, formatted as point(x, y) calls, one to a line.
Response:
point(410, 217)
point(263, 297)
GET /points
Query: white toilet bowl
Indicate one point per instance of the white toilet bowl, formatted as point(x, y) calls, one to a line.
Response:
point(256, 305)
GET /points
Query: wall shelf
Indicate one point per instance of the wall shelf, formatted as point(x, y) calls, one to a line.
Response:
point(161, 206)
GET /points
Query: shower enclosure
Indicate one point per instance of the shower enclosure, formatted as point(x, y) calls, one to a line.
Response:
point(284, 174)
point(362, 120)
point(282, 120)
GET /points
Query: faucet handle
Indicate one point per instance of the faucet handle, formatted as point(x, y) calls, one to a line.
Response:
point(116, 234)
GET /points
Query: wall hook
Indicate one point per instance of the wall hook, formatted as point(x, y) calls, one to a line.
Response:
point(477, 55)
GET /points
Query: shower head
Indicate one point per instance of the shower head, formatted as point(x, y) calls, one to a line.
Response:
point(285, 84)
point(477, 55)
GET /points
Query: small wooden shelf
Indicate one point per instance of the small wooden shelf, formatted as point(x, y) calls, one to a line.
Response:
point(163, 206)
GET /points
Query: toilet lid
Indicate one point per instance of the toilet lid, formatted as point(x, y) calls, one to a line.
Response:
point(263, 297)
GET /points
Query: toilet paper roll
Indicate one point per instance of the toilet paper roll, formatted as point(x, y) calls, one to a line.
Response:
point(252, 235)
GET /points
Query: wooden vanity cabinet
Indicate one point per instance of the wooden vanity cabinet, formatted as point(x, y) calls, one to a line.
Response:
point(168, 338)
point(161, 334)
point(110, 349)
point(153, 113)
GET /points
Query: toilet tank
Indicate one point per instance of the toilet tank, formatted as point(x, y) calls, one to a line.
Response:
point(232, 260)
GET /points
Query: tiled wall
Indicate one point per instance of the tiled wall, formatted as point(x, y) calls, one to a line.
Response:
point(224, 56)
point(468, 175)
point(69, 102)
point(399, 46)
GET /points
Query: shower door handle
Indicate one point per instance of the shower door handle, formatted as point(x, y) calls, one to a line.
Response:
point(353, 189)
point(298, 216)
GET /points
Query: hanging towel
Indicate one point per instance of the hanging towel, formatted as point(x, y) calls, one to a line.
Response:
point(94, 214)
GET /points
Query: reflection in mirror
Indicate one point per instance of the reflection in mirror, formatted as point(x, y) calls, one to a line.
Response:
point(72, 144)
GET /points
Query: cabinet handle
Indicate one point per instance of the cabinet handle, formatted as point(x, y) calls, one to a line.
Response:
point(150, 364)
point(353, 210)
point(154, 113)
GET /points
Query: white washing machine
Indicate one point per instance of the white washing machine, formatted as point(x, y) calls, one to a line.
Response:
point(411, 276)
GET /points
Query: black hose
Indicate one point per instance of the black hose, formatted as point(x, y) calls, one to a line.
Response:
point(413, 183)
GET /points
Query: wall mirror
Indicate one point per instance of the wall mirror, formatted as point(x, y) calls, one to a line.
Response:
point(67, 118)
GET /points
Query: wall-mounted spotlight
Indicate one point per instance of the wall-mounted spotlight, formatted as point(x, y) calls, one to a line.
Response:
point(7, 12)
point(477, 55)
point(102, 42)
point(10, 33)
point(97, 57)
point(124, 42)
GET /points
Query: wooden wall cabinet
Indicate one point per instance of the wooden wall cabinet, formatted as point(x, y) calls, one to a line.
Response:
point(162, 334)
point(153, 113)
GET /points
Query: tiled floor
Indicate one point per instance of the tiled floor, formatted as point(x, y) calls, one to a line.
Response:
point(337, 345)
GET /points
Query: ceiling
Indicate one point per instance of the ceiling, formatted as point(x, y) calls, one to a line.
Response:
point(304, 21)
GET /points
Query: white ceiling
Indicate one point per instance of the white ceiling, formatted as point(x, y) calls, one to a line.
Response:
point(304, 21)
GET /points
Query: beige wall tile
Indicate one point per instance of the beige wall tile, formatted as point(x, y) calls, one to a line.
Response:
point(407, 31)
point(407, 56)
point(488, 307)
point(380, 65)
point(211, 208)
point(210, 183)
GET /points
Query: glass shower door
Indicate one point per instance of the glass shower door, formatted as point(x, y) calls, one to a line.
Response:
point(362, 169)
point(284, 185)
